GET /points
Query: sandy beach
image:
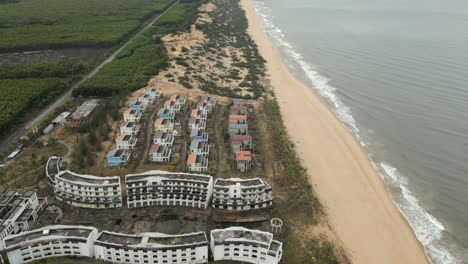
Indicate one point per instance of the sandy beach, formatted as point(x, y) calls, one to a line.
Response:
point(358, 203)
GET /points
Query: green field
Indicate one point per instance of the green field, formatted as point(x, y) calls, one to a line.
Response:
point(33, 24)
point(142, 59)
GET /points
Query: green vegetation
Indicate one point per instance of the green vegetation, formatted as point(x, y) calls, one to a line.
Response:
point(20, 95)
point(38, 24)
point(142, 59)
point(42, 70)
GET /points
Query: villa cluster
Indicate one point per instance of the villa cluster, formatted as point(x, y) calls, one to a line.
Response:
point(159, 188)
point(199, 147)
point(241, 140)
point(129, 129)
point(163, 140)
point(233, 243)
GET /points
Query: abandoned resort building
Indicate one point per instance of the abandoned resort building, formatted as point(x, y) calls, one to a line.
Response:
point(50, 242)
point(82, 114)
point(241, 194)
point(126, 141)
point(132, 115)
point(199, 134)
point(52, 169)
point(191, 248)
point(247, 245)
point(117, 158)
point(138, 105)
point(243, 160)
point(161, 188)
point(163, 138)
point(166, 113)
point(164, 125)
point(197, 162)
point(87, 190)
point(200, 147)
point(196, 123)
point(160, 153)
point(18, 211)
point(129, 128)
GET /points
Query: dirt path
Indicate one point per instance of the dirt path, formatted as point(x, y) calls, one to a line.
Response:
point(219, 139)
point(70, 148)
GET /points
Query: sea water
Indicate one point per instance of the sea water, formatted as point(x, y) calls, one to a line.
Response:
point(396, 73)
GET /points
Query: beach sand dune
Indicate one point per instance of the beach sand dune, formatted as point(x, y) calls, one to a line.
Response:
point(358, 203)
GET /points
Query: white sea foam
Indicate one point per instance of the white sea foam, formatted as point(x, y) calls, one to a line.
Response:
point(427, 228)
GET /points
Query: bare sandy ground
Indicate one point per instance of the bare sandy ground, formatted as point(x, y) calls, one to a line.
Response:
point(358, 202)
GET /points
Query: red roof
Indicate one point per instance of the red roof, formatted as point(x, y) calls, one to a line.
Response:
point(192, 121)
point(238, 107)
point(194, 112)
point(154, 148)
point(237, 117)
point(158, 134)
point(120, 137)
point(127, 111)
point(192, 158)
point(168, 102)
point(236, 142)
point(173, 97)
point(244, 153)
point(242, 137)
point(200, 104)
point(124, 124)
point(158, 121)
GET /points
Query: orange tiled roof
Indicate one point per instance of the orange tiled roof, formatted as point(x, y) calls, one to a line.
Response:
point(192, 158)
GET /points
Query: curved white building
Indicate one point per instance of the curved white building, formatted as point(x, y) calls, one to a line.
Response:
point(87, 190)
point(162, 188)
point(50, 241)
point(52, 169)
point(241, 194)
point(152, 248)
point(247, 245)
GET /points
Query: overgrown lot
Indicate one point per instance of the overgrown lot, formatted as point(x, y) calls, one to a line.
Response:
point(39, 24)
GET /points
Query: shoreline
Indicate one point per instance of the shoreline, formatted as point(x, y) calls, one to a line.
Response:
point(357, 200)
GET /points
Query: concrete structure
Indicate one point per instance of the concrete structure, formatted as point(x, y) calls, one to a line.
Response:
point(209, 102)
point(147, 99)
point(174, 106)
point(189, 248)
point(199, 134)
point(238, 119)
point(241, 194)
point(61, 120)
point(199, 114)
point(166, 113)
point(126, 142)
point(164, 125)
point(117, 158)
point(178, 99)
point(161, 188)
point(195, 123)
point(241, 142)
point(238, 129)
point(238, 102)
point(160, 153)
point(138, 105)
point(197, 163)
point(153, 93)
point(52, 169)
point(243, 160)
point(163, 139)
point(247, 245)
point(87, 190)
point(132, 115)
point(18, 211)
point(82, 114)
point(50, 242)
point(129, 128)
point(238, 110)
point(200, 147)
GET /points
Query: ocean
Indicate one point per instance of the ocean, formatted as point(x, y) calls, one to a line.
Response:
point(396, 73)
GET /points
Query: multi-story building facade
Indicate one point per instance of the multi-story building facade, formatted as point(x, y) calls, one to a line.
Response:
point(161, 248)
point(244, 160)
point(199, 134)
point(164, 125)
point(18, 211)
point(87, 190)
point(147, 99)
point(179, 99)
point(138, 105)
point(129, 128)
point(238, 102)
point(160, 153)
point(200, 147)
point(52, 169)
point(238, 129)
point(132, 115)
point(126, 141)
point(117, 157)
point(210, 102)
point(153, 93)
point(241, 194)
point(161, 188)
point(199, 114)
point(241, 142)
point(50, 242)
point(163, 139)
point(238, 110)
point(197, 162)
point(166, 113)
point(195, 123)
point(174, 106)
point(246, 245)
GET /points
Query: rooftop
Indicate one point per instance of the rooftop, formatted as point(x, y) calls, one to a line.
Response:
point(152, 240)
point(86, 179)
point(167, 175)
point(85, 109)
point(115, 153)
point(49, 231)
point(61, 118)
point(232, 234)
point(52, 165)
point(242, 182)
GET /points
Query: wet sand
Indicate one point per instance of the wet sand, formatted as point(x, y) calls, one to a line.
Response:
point(358, 203)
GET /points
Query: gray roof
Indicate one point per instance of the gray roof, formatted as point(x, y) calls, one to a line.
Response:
point(152, 240)
point(85, 109)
